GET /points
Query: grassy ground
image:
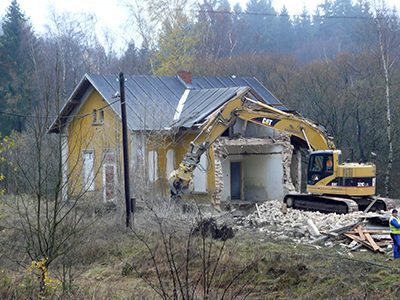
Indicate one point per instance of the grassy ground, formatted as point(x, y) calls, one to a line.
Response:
point(160, 259)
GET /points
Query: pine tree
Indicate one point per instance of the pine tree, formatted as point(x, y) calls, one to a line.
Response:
point(285, 32)
point(16, 68)
point(262, 20)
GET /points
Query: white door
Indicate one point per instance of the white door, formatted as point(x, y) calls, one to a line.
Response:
point(88, 169)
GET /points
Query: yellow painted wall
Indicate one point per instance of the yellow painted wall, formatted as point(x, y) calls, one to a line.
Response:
point(180, 146)
point(181, 149)
point(84, 134)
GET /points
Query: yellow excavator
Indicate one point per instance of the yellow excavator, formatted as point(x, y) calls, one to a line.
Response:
point(332, 185)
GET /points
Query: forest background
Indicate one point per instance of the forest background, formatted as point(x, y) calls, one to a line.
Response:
point(338, 65)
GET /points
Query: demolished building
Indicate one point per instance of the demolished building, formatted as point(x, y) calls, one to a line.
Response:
point(247, 164)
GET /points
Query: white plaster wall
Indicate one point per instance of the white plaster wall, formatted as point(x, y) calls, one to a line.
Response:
point(200, 176)
point(226, 171)
point(274, 174)
point(255, 179)
point(226, 181)
point(262, 174)
point(153, 166)
point(170, 162)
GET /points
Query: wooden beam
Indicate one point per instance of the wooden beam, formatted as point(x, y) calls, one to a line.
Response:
point(360, 233)
point(372, 242)
point(366, 243)
point(370, 231)
point(370, 205)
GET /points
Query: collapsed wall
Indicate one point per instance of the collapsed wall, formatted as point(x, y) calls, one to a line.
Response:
point(270, 157)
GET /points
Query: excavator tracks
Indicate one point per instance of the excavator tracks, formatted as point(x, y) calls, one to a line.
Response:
point(334, 204)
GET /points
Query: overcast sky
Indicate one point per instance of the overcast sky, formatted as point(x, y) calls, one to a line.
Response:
point(111, 11)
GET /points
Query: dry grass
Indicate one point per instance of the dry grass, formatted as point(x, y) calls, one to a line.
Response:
point(117, 263)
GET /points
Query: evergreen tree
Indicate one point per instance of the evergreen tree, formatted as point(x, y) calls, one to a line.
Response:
point(135, 60)
point(339, 19)
point(285, 36)
point(17, 46)
point(262, 20)
point(302, 26)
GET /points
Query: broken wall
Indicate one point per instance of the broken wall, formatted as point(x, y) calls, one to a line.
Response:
point(265, 167)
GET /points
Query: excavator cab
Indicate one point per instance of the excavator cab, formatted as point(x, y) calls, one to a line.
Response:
point(321, 165)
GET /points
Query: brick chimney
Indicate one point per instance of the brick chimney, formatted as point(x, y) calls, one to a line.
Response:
point(186, 76)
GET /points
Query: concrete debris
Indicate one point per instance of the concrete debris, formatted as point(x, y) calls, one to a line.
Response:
point(305, 226)
point(312, 228)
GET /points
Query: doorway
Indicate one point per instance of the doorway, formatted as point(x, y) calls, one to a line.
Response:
point(236, 180)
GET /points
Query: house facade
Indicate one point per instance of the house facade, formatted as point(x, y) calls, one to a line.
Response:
point(247, 163)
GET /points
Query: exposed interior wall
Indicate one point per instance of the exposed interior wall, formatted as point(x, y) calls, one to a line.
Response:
point(200, 176)
point(265, 168)
point(295, 170)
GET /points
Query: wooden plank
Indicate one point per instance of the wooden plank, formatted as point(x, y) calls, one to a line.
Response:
point(372, 242)
point(360, 233)
point(331, 234)
point(370, 231)
point(357, 239)
point(343, 229)
point(378, 237)
point(370, 205)
point(384, 243)
point(365, 243)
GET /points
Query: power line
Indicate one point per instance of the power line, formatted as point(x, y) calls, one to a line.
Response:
point(232, 12)
point(108, 106)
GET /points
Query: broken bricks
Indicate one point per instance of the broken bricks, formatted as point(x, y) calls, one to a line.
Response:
point(360, 229)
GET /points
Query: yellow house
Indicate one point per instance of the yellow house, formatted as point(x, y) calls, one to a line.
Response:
point(247, 164)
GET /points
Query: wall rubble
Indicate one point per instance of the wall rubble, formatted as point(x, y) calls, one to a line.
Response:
point(295, 224)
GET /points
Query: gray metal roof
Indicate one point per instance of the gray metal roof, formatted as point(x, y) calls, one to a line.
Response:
point(152, 101)
point(201, 103)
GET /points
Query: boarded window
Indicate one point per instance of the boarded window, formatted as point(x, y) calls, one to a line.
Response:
point(109, 176)
point(101, 116)
point(94, 116)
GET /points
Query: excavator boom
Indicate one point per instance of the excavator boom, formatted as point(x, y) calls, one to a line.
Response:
point(331, 187)
point(243, 107)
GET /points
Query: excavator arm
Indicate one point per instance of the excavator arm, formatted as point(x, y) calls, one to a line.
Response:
point(242, 107)
point(313, 134)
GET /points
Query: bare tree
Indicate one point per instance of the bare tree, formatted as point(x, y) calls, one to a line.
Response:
point(190, 257)
point(387, 25)
point(51, 216)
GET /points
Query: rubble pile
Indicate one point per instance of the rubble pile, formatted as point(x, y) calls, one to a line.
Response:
point(300, 226)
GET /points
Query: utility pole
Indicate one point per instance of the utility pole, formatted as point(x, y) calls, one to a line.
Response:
point(125, 150)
